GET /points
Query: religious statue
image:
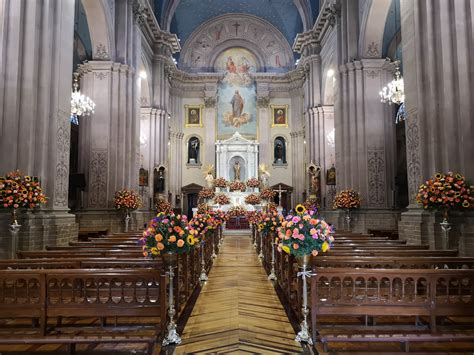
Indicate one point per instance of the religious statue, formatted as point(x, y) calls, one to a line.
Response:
point(159, 180)
point(208, 175)
point(264, 175)
point(314, 179)
point(278, 152)
point(236, 170)
point(237, 103)
point(193, 150)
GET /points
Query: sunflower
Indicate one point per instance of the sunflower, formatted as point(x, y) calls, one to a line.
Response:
point(438, 175)
point(191, 240)
point(300, 209)
point(466, 204)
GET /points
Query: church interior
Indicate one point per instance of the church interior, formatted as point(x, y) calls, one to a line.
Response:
point(236, 176)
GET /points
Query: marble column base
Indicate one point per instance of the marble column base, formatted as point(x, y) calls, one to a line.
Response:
point(112, 220)
point(364, 219)
point(419, 226)
point(38, 229)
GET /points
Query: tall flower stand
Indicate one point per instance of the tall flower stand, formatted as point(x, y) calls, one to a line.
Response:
point(446, 228)
point(216, 234)
point(14, 229)
point(260, 255)
point(303, 336)
point(172, 337)
point(348, 219)
point(203, 276)
point(127, 219)
point(254, 231)
point(272, 276)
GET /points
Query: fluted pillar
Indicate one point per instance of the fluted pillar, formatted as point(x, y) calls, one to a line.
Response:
point(439, 87)
point(36, 50)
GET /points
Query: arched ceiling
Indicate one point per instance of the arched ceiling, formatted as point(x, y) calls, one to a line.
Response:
point(182, 17)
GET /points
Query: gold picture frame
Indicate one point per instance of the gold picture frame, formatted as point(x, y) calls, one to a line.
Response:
point(193, 115)
point(279, 115)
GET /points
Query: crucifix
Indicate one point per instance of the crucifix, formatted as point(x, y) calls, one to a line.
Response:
point(279, 194)
point(236, 25)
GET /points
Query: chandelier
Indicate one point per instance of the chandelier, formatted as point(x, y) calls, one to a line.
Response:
point(394, 92)
point(81, 105)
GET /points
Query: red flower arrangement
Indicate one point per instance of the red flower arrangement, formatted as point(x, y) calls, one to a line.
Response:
point(203, 208)
point(220, 182)
point(163, 206)
point(127, 199)
point(237, 186)
point(202, 223)
point(221, 199)
point(253, 182)
point(167, 233)
point(267, 194)
point(269, 222)
point(446, 191)
point(252, 199)
point(236, 211)
point(347, 200)
point(206, 193)
point(20, 191)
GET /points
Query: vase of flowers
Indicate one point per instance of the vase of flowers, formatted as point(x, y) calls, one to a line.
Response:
point(127, 200)
point(19, 191)
point(200, 225)
point(267, 225)
point(267, 194)
point(237, 185)
point(347, 200)
point(221, 199)
point(206, 194)
point(445, 192)
point(253, 183)
point(163, 206)
point(253, 199)
point(167, 236)
point(304, 235)
point(220, 184)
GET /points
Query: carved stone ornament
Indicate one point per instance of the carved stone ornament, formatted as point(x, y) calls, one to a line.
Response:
point(263, 101)
point(101, 53)
point(209, 101)
point(373, 50)
point(139, 12)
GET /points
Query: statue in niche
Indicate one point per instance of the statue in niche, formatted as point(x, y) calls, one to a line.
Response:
point(193, 151)
point(159, 180)
point(279, 151)
point(264, 175)
point(236, 170)
point(315, 174)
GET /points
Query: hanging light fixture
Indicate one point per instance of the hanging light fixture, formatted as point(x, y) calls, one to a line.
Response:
point(394, 92)
point(81, 105)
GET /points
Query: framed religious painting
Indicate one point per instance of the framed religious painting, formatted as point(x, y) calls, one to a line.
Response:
point(193, 115)
point(279, 115)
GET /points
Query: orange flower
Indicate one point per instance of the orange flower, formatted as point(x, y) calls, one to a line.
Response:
point(180, 243)
point(160, 246)
point(172, 239)
point(158, 237)
point(295, 246)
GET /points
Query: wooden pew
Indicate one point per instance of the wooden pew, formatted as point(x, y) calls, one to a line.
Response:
point(391, 292)
point(99, 253)
point(42, 294)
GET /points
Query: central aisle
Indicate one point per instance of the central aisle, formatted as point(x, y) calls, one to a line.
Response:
point(238, 309)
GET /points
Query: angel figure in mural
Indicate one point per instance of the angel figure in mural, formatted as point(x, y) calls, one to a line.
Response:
point(263, 175)
point(238, 74)
point(208, 170)
point(231, 68)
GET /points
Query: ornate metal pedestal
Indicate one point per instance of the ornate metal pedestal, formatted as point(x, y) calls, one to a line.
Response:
point(14, 229)
point(254, 231)
point(172, 337)
point(127, 220)
point(260, 255)
point(214, 255)
point(303, 335)
point(348, 219)
point(203, 276)
point(272, 275)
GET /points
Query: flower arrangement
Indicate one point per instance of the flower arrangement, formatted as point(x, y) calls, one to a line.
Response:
point(220, 182)
point(203, 208)
point(20, 191)
point(253, 216)
point(221, 199)
point(446, 191)
point(304, 234)
point(347, 200)
point(237, 186)
point(127, 199)
point(167, 233)
point(202, 223)
point(271, 206)
point(311, 204)
point(253, 199)
point(267, 194)
point(236, 211)
point(206, 193)
point(253, 183)
point(269, 222)
point(163, 206)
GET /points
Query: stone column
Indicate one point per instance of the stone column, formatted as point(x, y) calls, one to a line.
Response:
point(36, 50)
point(439, 90)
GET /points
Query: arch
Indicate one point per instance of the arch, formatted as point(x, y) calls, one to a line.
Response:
point(193, 145)
point(243, 166)
point(100, 20)
point(306, 13)
point(372, 28)
point(258, 36)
